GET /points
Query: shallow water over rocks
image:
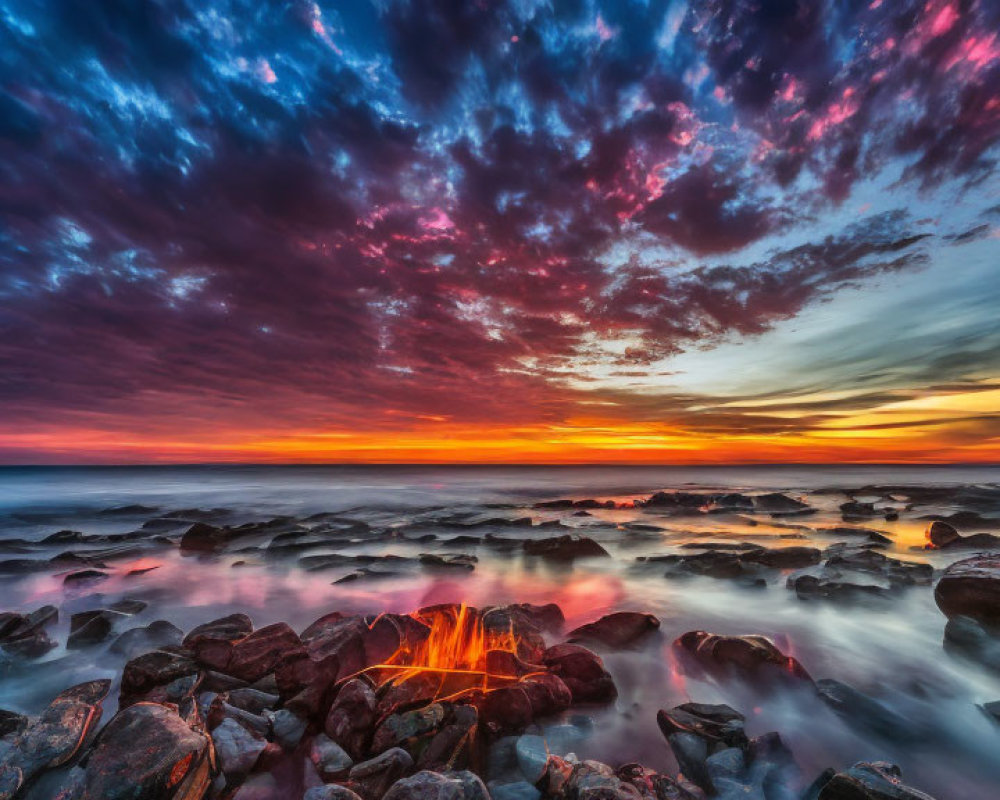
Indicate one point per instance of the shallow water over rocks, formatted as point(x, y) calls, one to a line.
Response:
point(829, 564)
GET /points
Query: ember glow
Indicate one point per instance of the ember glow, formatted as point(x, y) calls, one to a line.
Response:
point(595, 231)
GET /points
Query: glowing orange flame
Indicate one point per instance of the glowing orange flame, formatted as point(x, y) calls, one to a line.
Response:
point(459, 652)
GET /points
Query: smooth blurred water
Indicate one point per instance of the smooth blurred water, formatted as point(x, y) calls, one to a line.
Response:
point(890, 649)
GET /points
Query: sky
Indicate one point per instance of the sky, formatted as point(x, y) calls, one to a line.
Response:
point(523, 231)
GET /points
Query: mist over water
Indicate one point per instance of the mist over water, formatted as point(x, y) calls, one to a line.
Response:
point(890, 648)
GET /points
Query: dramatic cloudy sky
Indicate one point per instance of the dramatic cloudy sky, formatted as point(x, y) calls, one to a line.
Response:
point(630, 230)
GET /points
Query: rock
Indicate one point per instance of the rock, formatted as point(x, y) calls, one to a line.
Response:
point(398, 729)
point(85, 576)
point(585, 780)
point(226, 629)
point(783, 557)
point(719, 725)
point(329, 758)
point(965, 636)
point(151, 670)
point(351, 720)
point(971, 587)
point(173, 760)
point(872, 535)
point(856, 510)
point(653, 786)
point(547, 694)
point(777, 503)
point(204, 538)
point(91, 627)
point(524, 617)
point(374, 777)
point(451, 746)
point(427, 785)
point(307, 684)
point(582, 671)
point(330, 791)
point(458, 561)
point(533, 751)
point(564, 548)
point(992, 710)
point(752, 657)
point(251, 700)
point(237, 748)
point(55, 737)
point(878, 780)
point(865, 712)
point(288, 728)
point(942, 536)
point(155, 635)
point(252, 657)
point(618, 630)
point(810, 587)
point(11, 723)
point(691, 753)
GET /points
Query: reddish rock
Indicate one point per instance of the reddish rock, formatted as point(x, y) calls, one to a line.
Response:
point(749, 656)
point(148, 751)
point(204, 538)
point(547, 693)
point(252, 657)
point(971, 588)
point(582, 671)
point(228, 629)
point(506, 710)
point(371, 779)
point(351, 720)
point(617, 630)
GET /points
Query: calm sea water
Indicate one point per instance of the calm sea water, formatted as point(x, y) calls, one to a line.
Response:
point(892, 650)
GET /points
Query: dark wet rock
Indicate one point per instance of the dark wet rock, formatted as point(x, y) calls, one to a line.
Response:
point(288, 727)
point(330, 791)
point(533, 750)
point(751, 657)
point(55, 737)
point(373, 778)
point(971, 587)
point(867, 713)
point(157, 634)
point(457, 561)
point(523, 618)
point(204, 538)
point(964, 520)
point(399, 729)
point(151, 670)
point(859, 572)
point(588, 503)
point(992, 710)
point(24, 636)
point(11, 723)
point(451, 747)
point(518, 790)
point(252, 657)
point(783, 557)
point(132, 510)
point(719, 725)
point(811, 587)
point(237, 748)
point(427, 785)
point(855, 510)
point(564, 548)
point(225, 629)
point(173, 761)
point(329, 758)
point(91, 627)
point(780, 504)
point(678, 501)
point(351, 719)
point(252, 700)
point(877, 780)
point(967, 637)
point(582, 671)
point(943, 536)
point(619, 630)
point(84, 576)
point(872, 535)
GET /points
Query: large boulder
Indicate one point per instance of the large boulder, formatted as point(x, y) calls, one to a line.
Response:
point(252, 657)
point(941, 535)
point(148, 751)
point(971, 588)
point(237, 747)
point(372, 779)
point(55, 737)
point(158, 668)
point(618, 630)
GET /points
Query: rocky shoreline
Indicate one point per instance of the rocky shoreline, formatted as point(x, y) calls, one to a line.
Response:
point(452, 702)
